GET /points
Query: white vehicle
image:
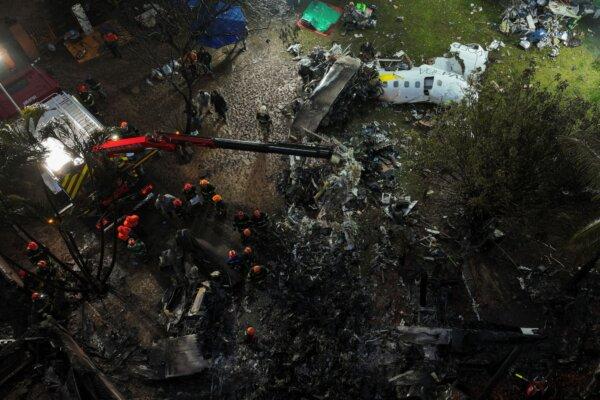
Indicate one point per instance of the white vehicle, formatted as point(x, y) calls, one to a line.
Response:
point(64, 172)
point(446, 80)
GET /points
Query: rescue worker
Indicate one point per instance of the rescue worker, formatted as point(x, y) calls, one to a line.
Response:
point(34, 252)
point(41, 305)
point(189, 191)
point(137, 249)
point(206, 60)
point(234, 260)
point(190, 61)
point(264, 121)
point(220, 208)
point(203, 103)
point(206, 189)
point(250, 334)
point(164, 203)
point(220, 105)
point(111, 40)
point(248, 257)
point(44, 269)
point(246, 236)
point(128, 130)
point(86, 97)
point(259, 219)
point(28, 280)
point(96, 86)
point(257, 273)
point(367, 51)
point(241, 220)
point(178, 207)
point(305, 71)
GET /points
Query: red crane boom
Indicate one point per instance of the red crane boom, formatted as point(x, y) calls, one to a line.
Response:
point(170, 142)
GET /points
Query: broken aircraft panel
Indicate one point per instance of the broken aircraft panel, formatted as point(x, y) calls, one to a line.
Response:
point(325, 94)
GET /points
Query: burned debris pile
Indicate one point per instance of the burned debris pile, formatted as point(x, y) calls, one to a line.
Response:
point(334, 85)
point(547, 23)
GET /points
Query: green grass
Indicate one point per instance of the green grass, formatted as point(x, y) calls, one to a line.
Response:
point(430, 26)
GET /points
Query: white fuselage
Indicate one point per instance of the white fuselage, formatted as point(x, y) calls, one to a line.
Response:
point(423, 84)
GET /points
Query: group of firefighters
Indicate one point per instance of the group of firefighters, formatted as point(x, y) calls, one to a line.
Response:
point(36, 280)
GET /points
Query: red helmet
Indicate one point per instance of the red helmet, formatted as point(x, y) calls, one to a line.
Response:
point(247, 232)
point(32, 246)
point(248, 250)
point(22, 274)
point(82, 87)
point(257, 269)
point(240, 214)
point(42, 264)
point(35, 296)
point(177, 202)
point(187, 187)
point(123, 125)
point(232, 253)
point(250, 331)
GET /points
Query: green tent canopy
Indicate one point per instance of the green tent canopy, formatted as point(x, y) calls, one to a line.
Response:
point(320, 16)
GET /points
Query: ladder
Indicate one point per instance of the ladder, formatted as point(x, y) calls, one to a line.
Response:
point(82, 120)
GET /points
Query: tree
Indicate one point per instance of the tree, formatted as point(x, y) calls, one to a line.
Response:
point(500, 154)
point(21, 137)
point(584, 152)
point(18, 149)
point(179, 27)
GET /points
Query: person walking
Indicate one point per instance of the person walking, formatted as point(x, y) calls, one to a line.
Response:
point(111, 40)
point(220, 105)
point(264, 122)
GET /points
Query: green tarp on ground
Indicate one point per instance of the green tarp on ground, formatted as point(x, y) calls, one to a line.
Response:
point(320, 16)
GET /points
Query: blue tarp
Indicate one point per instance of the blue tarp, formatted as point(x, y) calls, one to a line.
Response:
point(228, 27)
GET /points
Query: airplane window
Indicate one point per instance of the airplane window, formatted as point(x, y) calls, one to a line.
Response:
point(395, 83)
point(417, 84)
point(406, 83)
point(439, 83)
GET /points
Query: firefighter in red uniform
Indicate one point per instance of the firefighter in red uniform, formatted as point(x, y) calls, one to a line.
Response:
point(246, 236)
point(35, 252)
point(241, 221)
point(259, 219)
point(220, 208)
point(128, 130)
point(234, 260)
point(111, 40)
point(206, 189)
point(257, 273)
point(86, 97)
point(248, 257)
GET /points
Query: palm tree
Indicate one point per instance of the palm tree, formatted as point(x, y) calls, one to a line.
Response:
point(19, 149)
point(585, 153)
